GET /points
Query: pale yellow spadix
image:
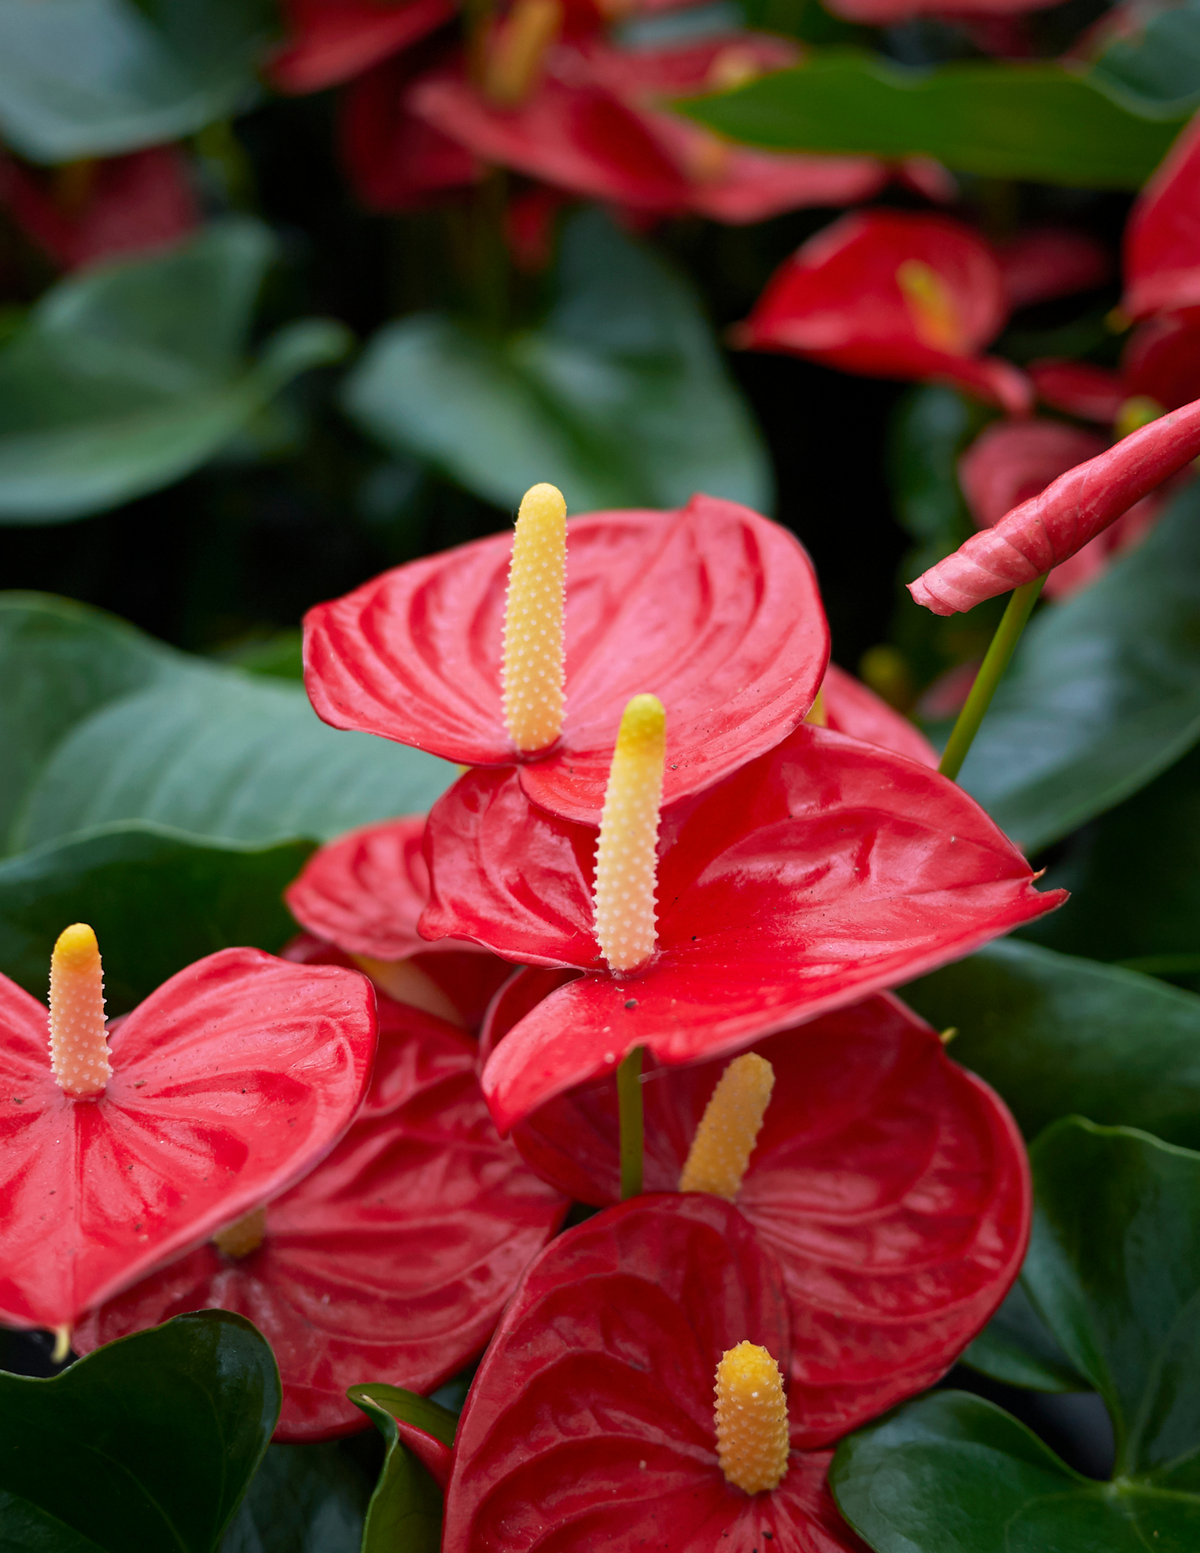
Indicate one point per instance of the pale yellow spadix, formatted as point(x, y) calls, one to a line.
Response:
point(243, 1235)
point(78, 1041)
point(626, 867)
point(729, 1128)
point(751, 1419)
point(532, 672)
point(932, 308)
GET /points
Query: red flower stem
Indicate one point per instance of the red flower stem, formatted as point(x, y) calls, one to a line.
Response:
point(629, 1106)
point(991, 671)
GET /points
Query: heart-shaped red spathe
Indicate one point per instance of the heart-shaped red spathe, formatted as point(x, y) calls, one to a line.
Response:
point(821, 872)
point(890, 1185)
point(839, 300)
point(852, 708)
point(712, 608)
point(393, 1259)
point(229, 1083)
point(590, 1422)
point(1162, 237)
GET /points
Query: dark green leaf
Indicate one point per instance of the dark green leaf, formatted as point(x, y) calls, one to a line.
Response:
point(100, 724)
point(1103, 694)
point(157, 898)
point(406, 1507)
point(130, 376)
point(1160, 60)
point(1018, 1348)
point(1033, 121)
point(304, 1499)
point(620, 398)
point(1058, 1035)
point(145, 1446)
point(82, 78)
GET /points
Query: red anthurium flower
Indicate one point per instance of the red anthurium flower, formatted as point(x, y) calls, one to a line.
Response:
point(820, 872)
point(92, 210)
point(392, 1260)
point(364, 892)
point(1079, 388)
point(893, 294)
point(224, 1087)
point(1050, 528)
point(1042, 263)
point(1162, 237)
point(591, 1421)
point(331, 40)
point(889, 1184)
point(714, 606)
point(850, 707)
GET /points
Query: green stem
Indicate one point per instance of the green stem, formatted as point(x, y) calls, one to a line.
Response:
point(629, 1105)
point(991, 671)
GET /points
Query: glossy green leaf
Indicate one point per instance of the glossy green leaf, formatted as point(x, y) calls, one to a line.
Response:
point(100, 724)
point(1114, 1271)
point(1103, 694)
point(83, 78)
point(406, 1507)
point(157, 898)
point(1057, 1035)
point(145, 1446)
point(132, 375)
point(1034, 121)
point(303, 1499)
point(1160, 59)
point(1018, 1348)
point(620, 398)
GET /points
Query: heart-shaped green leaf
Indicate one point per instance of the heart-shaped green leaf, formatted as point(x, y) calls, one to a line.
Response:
point(82, 78)
point(145, 1446)
point(1058, 1035)
point(1038, 120)
point(132, 375)
point(406, 1507)
point(1104, 692)
point(1114, 1271)
point(100, 724)
point(304, 1499)
point(157, 898)
point(620, 398)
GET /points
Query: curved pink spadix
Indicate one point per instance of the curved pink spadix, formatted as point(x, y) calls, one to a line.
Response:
point(1048, 529)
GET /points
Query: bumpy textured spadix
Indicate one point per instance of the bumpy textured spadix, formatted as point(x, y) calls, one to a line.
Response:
point(78, 1041)
point(533, 621)
point(729, 1128)
point(625, 853)
point(931, 306)
point(751, 1419)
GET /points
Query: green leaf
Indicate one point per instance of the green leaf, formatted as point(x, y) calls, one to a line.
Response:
point(1114, 1271)
point(1057, 1035)
point(145, 1446)
point(132, 375)
point(1160, 60)
point(1103, 694)
point(1018, 1348)
point(81, 78)
point(157, 898)
point(620, 398)
point(406, 1507)
point(99, 724)
point(304, 1499)
point(1039, 121)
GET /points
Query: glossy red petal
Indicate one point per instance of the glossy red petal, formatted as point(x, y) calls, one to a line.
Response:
point(1162, 361)
point(839, 300)
point(229, 1082)
point(331, 40)
point(1078, 388)
point(713, 608)
point(1162, 236)
point(1043, 263)
point(1048, 529)
point(890, 1185)
point(816, 874)
point(851, 708)
point(393, 1259)
point(590, 1422)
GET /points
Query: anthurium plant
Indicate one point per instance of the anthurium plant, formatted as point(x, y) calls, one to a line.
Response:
point(599, 776)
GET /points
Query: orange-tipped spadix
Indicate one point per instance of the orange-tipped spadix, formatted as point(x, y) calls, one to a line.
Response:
point(78, 1040)
point(533, 621)
point(626, 865)
point(729, 1128)
point(751, 1419)
point(931, 307)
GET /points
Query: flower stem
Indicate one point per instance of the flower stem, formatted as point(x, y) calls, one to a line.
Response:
point(991, 671)
point(629, 1105)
